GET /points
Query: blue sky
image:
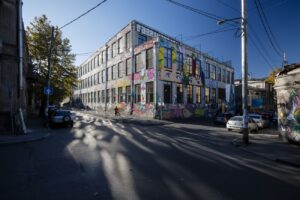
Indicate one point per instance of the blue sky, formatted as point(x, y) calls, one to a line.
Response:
point(93, 30)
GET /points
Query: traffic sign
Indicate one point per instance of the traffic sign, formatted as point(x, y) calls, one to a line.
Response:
point(48, 90)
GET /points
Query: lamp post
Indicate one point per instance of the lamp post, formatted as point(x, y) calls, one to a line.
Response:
point(243, 24)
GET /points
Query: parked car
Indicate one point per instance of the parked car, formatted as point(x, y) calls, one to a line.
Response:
point(260, 120)
point(222, 118)
point(236, 123)
point(60, 116)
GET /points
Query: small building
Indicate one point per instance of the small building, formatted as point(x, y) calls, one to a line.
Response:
point(14, 67)
point(260, 95)
point(150, 74)
point(287, 86)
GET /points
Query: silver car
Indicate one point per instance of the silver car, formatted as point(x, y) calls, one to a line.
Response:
point(60, 116)
point(236, 123)
point(260, 120)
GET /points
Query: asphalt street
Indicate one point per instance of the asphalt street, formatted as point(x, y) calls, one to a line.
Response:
point(102, 159)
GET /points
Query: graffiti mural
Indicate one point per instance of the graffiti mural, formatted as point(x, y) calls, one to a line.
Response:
point(289, 114)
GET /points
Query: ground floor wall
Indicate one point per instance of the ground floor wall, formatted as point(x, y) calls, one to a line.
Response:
point(288, 103)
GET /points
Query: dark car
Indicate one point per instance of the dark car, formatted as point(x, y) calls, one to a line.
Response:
point(222, 118)
point(61, 116)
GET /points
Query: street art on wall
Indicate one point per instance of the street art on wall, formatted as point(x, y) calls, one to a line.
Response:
point(289, 114)
point(185, 76)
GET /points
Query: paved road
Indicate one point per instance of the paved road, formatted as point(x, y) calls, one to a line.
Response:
point(101, 159)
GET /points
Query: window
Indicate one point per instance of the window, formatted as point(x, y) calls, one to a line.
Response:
point(128, 66)
point(113, 72)
point(99, 97)
point(120, 45)
point(179, 93)
point(128, 94)
point(109, 53)
point(103, 57)
point(213, 95)
point(149, 58)
point(138, 62)
point(232, 77)
point(168, 58)
point(120, 94)
point(218, 74)
point(99, 59)
point(95, 97)
point(179, 59)
point(141, 39)
point(198, 68)
point(189, 64)
point(224, 76)
point(207, 70)
point(137, 93)
point(190, 94)
point(198, 94)
point(167, 92)
point(207, 90)
point(95, 79)
point(103, 96)
point(98, 77)
point(149, 92)
point(228, 77)
point(113, 95)
point(107, 96)
point(108, 73)
point(114, 50)
point(120, 70)
point(102, 76)
point(127, 40)
point(213, 72)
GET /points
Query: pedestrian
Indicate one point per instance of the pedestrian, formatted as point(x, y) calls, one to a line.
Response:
point(117, 113)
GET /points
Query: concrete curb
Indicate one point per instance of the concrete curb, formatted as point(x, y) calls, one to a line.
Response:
point(24, 139)
point(235, 143)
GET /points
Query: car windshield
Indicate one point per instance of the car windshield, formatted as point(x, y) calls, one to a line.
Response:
point(236, 119)
point(255, 116)
point(63, 112)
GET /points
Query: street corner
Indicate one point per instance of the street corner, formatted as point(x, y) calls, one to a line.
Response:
point(31, 136)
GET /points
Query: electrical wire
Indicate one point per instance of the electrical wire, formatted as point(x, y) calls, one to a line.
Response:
point(266, 29)
point(259, 51)
point(209, 33)
point(268, 25)
point(83, 14)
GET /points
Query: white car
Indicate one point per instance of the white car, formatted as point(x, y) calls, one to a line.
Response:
point(60, 116)
point(259, 120)
point(236, 123)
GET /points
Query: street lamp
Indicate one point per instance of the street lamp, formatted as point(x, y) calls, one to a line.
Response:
point(243, 24)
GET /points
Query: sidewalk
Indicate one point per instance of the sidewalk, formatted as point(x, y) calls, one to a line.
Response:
point(272, 148)
point(36, 131)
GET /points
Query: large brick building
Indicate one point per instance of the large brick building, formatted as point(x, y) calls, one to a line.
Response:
point(147, 73)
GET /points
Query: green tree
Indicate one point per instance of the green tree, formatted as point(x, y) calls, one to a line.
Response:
point(63, 73)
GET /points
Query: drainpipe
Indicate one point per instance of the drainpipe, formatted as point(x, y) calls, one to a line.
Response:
point(106, 77)
point(21, 86)
point(132, 67)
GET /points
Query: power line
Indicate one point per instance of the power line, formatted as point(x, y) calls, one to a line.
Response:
point(209, 33)
point(83, 14)
point(265, 27)
point(201, 12)
point(262, 55)
point(268, 25)
point(227, 5)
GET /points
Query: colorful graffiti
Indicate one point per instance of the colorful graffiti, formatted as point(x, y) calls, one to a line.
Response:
point(289, 114)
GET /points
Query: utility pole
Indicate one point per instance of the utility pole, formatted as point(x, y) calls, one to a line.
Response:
point(244, 72)
point(49, 64)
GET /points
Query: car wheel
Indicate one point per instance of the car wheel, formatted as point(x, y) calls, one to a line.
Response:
point(66, 118)
point(228, 129)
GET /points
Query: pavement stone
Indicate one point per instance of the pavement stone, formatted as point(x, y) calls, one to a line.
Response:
point(272, 148)
point(36, 131)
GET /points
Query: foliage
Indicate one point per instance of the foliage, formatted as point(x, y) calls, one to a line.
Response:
point(272, 75)
point(63, 73)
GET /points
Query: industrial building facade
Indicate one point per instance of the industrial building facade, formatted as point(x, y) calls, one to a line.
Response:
point(146, 73)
